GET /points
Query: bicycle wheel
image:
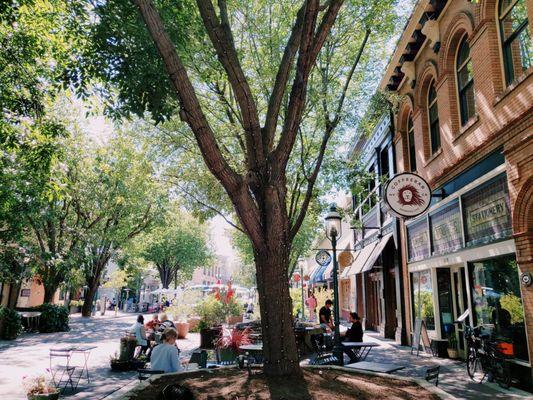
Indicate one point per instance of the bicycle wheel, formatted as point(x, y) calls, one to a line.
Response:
point(473, 366)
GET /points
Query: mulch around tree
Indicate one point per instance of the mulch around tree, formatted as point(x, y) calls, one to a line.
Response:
point(233, 384)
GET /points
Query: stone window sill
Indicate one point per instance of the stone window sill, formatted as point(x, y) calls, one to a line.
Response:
point(509, 89)
point(433, 157)
point(466, 127)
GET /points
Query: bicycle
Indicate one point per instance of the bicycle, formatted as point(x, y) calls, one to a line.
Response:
point(486, 358)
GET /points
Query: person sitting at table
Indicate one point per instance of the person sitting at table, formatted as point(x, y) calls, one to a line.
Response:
point(165, 322)
point(353, 334)
point(140, 333)
point(325, 315)
point(165, 356)
point(153, 324)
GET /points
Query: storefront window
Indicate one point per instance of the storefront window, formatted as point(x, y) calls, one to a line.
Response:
point(497, 301)
point(423, 298)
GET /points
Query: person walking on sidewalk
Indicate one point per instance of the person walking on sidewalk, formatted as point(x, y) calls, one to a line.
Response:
point(311, 304)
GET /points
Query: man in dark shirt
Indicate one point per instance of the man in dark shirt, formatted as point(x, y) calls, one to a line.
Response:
point(325, 314)
point(353, 334)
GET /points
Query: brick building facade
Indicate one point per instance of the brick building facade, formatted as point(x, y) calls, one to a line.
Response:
point(464, 122)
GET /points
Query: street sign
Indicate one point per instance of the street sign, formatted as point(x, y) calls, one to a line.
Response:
point(408, 195)
point(345, 259)
point(323, 258)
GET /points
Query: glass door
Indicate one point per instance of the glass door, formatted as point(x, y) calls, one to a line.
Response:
point(460, 303)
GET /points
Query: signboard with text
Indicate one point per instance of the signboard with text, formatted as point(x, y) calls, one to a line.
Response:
point(487, 212)
point(446, 231)
point(418, 241)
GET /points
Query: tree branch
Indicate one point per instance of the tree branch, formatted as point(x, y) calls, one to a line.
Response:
point(282, 76)
point(222, 39)
point(191, 111)
point(234, 225)
point(310, 46)
point(330, 127)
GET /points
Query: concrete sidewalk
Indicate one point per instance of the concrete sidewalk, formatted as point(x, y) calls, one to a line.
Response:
point(453, 378)
point(29, 355)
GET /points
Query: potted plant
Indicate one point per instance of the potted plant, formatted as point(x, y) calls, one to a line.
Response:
point(178, 310)
point(227, 346)
point(212, 314)
point(453, 353)
point(39, 388)
point(119, 365)
point(74, 306)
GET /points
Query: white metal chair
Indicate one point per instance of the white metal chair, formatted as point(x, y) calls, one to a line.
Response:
point(60, 366)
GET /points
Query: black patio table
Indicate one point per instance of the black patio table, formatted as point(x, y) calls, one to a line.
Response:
point(361, 349)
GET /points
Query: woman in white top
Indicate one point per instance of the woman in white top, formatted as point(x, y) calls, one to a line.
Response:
point(165, 356)
point(140, 333)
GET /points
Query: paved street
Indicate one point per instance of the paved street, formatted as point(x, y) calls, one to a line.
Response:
point(29, 355)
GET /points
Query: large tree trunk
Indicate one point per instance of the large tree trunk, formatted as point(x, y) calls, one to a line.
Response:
point(13, 296)
point(87, 307)
point(272, 265)
point(279, 343)
point(49, 292)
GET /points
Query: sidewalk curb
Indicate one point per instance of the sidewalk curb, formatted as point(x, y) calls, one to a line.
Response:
point(420, 382)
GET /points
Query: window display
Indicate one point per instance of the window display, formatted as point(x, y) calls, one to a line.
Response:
point(497, 300)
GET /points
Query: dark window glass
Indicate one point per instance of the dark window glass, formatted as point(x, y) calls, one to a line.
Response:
point(516, 38)
point(411, 140)
point(465, 82)
point(497, 301)
point(433, 113)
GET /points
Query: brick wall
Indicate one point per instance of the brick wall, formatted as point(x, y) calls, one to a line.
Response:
point(504, 119)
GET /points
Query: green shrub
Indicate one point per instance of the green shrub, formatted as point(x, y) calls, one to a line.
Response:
point(54, 318)
point(10, 324)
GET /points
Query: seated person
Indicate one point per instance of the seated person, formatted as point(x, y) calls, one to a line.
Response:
point(325, 315)
point(165, 322)
point(165, 356)
point(353, 334)
point(140, 333)
point(153, 324)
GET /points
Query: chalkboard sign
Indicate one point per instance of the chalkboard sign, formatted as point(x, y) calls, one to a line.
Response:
point(420, 332)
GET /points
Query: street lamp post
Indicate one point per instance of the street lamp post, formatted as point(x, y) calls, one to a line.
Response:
point(301, 261)
point(334, 232)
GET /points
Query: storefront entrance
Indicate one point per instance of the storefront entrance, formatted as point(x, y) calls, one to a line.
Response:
point(452, 298)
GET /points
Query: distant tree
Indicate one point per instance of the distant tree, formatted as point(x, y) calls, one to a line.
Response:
point(175, 248)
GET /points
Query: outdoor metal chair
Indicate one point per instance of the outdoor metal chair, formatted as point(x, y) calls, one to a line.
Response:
point(433, 373)
point(60, 366)
point(323, 357)
point(145, 373)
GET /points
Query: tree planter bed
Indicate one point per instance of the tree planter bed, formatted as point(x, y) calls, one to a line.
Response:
point(319, 384)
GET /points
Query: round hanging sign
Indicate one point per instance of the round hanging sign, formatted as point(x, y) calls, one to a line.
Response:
point(407, 195)
point(323, 258)
point(345, 259)
point(526, 278)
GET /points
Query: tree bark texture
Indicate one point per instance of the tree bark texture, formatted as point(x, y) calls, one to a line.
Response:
point(49, 292)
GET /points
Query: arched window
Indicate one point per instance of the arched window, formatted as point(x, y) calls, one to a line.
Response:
point(433, 115)
point(516, 38)
point(411, 144)
point(465, 82)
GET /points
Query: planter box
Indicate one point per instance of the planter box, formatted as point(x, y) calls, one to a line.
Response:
point(183, 329)
point(208, 336)
point(117, 365)
point(47, 396)
point(193, 323)
point(234, 320)
point(453, 353)
point(226, 356)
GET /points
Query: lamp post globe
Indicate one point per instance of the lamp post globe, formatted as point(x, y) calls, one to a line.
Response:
point(333, 233)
